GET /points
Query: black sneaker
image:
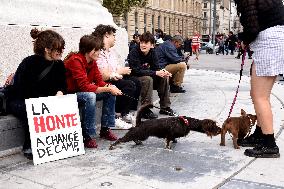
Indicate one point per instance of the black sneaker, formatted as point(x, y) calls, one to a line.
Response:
point(251, 141)
point(148, 114)
point(167, 111)
point(176, 89)
point(263, 152)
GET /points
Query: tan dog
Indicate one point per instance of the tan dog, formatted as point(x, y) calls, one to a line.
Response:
point(238, 127)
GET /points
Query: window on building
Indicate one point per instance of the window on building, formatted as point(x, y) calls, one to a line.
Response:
point(205, 5)
point(205, 14)
point(165, 24)
point(125, 18)
point(145, 22)
point(170, 24)
point(159, 21)
point(182, 27)
point(153, 24)
point(136, 22)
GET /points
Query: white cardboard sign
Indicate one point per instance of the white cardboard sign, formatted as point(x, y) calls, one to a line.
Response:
point(55, 128)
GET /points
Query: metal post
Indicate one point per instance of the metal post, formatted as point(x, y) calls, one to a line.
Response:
point(230, 15)
point(214, 25)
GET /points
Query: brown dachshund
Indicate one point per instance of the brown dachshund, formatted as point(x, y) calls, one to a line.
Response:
point(239, 127)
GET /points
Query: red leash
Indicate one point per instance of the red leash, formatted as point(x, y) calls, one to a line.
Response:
point(237, 91)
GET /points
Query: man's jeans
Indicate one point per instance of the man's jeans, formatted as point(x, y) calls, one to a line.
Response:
point(87, 103)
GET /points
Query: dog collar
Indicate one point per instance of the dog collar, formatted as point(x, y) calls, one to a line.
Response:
point(184, 120)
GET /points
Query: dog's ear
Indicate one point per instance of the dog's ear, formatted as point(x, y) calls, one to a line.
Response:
point(243, 113)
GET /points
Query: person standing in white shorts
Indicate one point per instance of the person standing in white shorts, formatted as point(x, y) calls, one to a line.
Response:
point(263, 29)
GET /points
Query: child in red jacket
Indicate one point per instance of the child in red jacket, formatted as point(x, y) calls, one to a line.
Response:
point(84, 78)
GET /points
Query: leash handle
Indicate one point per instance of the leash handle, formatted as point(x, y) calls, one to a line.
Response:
point(237, 91)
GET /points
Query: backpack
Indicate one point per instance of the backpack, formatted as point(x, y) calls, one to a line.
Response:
point(4, 94)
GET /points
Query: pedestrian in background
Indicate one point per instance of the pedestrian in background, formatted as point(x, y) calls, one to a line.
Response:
point(134, 42)
point(263, 29)
point(195, 44)
point(187, 46)
point(231, 42)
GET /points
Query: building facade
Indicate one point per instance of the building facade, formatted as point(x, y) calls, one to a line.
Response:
point(226, 17)
point(172, 16)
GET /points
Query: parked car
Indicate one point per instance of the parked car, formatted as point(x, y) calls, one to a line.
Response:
point(208, 47)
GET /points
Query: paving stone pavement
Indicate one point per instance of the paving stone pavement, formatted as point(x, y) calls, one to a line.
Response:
point(196, 161)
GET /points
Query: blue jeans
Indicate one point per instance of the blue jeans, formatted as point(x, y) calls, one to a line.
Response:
point(87, 104)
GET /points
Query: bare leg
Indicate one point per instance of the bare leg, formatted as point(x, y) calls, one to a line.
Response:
point(260, 93)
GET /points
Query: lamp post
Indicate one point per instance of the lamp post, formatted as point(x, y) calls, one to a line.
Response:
point(230, 15)
point(214, 25)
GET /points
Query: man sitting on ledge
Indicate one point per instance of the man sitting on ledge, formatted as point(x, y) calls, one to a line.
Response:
point(143, 61)
point(170, 60)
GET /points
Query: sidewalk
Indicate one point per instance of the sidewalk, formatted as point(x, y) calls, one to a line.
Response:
point(196, 161)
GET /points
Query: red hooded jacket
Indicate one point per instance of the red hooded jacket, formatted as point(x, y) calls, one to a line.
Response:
point(81, 76)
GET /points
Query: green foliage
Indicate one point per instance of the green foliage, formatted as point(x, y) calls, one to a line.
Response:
point(119, 7)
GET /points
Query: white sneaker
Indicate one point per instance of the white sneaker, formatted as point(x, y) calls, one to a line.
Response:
point(128, 118)
point(120, 124)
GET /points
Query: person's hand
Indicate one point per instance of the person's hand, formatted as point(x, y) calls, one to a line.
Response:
point(59, 93)
point(163, 73)
point(243, 46)
point(115, 76)
point(124, 71)
point(114, 90)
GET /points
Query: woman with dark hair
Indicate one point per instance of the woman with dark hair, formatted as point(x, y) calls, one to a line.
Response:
point(84, 78)
point(30, 81)
point(119, 75)
point(263, 29)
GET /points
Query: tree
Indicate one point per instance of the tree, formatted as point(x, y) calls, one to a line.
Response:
point(119, 7)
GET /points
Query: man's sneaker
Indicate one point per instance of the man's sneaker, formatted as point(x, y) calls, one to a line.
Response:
point(108, 135)
point(128, 118)
point(148, 114)
point(120, 124)
point(90, 143)
point(250, 141)
point(167, 111)
point(263, 152)
point(176, 89)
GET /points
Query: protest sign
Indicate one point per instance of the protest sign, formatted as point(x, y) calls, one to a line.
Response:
point(55, 128)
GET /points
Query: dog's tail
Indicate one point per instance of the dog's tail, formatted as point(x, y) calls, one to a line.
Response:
point(140, 113)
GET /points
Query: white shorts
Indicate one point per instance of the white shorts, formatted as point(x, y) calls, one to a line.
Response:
point(268, 50)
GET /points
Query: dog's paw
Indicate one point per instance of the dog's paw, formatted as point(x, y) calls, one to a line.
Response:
point(222, 144)
point(111, 148)
point(236, 147)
